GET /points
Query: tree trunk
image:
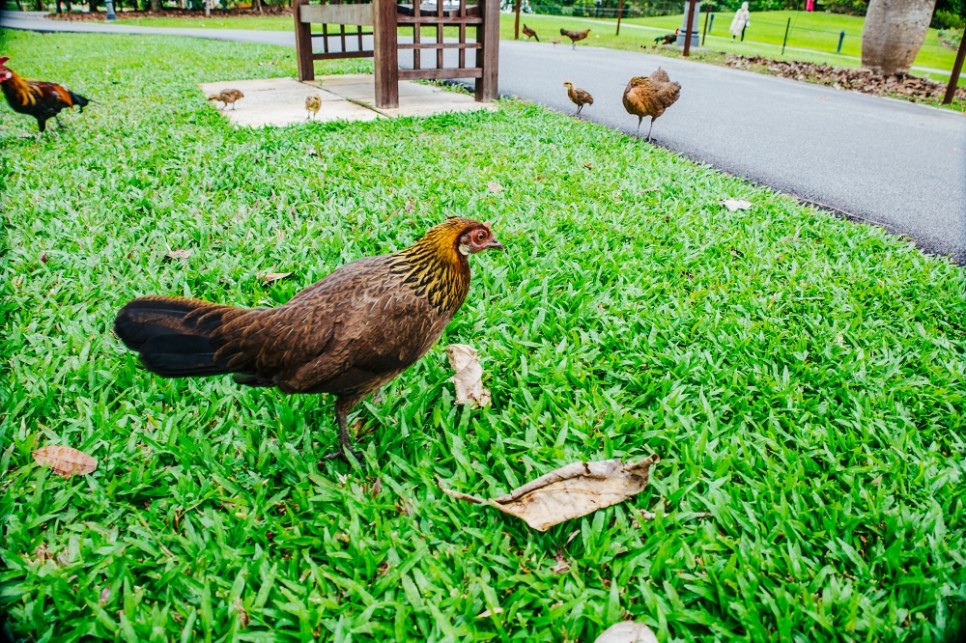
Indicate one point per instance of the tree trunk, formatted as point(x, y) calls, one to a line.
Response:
point(894, 32)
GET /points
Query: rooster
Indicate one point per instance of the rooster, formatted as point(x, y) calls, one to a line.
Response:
point(650, 96)
point(313, 104)
point(228, 97)
point(578, 96)
point(37, 98)
point(575, 35)
point(347, 334)
point(530, 33)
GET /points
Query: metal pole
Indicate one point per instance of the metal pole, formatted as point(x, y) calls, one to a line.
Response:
point(788, 26)
point(705, 31)
point(688, 27)
point(620, 13)
point(957, 70)
point(838, 49)
point(516, 19)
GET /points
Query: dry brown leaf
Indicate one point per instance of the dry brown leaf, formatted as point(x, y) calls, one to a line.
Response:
point(178, 254)
point(570, 492)
point(488, 613)
point(627, 632)
point(469, 375)
point(105, 596)
point(561, 566)
point(736, 204)
point(65, 461)
point(271, 277)
point(494, 187)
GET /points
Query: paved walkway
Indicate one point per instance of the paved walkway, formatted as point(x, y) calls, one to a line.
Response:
point(896, 164)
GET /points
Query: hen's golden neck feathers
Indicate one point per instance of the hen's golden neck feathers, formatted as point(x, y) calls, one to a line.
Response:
point(435, 267)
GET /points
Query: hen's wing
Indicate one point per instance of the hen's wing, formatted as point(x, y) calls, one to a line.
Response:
point(351, 331)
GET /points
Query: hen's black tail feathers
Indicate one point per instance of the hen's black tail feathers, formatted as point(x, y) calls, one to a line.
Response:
point(175, 337)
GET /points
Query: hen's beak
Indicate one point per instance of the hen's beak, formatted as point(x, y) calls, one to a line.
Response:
point(496, 245)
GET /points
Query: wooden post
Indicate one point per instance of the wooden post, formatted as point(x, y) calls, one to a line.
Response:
point(957, 70)
point(688, 28)
point(516, 20)
point(707, 14)
point(488, 55)
point(303, 43)
point(620, 13)
point(386, 56)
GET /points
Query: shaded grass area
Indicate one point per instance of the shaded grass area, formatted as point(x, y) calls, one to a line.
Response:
point(801, 377)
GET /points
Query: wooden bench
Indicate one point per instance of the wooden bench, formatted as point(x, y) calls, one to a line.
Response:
point(354, 29)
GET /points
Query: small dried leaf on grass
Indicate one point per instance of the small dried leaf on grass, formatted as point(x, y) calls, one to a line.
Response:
point(736, 204)
point(65, 461)
point(178, 254)
point(469, 375)
point(494, 187)
point(570, 492)
point(271, 277)
point(627, 632)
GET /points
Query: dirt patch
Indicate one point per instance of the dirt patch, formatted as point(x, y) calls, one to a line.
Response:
point(902, 85)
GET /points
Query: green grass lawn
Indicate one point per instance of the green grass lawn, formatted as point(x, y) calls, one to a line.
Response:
point(803, 379)
point(813, 37)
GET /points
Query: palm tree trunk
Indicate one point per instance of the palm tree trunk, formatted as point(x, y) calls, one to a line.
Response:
point(894, 32)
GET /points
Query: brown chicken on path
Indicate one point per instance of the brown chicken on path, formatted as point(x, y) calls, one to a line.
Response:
point(650, 96)
point(313, 104)
point(530, 33)
point(37, 98)
point(575, 36)
point(578, 96)
point(347, 334)
point(228, 97)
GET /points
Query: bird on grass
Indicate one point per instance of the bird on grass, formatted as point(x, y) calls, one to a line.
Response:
point(530, 33)
point(666, 39)
point(227, 97)
point(37, 98)
point(347, 335)
point(578, 96)
point(650, 96)
point(575, 36)
point(313, 104)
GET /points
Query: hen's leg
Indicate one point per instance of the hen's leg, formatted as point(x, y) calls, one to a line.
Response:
point(345, 440)
point(650, 128)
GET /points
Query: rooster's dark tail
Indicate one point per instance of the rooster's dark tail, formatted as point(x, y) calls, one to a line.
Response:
point(79, 101)
point(175, 337)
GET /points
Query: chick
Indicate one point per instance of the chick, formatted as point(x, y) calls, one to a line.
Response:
point(313, 104)
point(578, 96)
point(228, 97)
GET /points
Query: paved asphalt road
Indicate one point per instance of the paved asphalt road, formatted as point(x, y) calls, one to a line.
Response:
point(899, 165)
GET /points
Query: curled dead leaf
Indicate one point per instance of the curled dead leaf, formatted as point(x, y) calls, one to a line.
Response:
point(469, 375)
point(627, 632)
point(494, 187)
point(65, 461)
point(271, 277)
point(570, 492)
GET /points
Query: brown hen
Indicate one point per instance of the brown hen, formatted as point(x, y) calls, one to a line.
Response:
point(575, 36)
point(530, 33)
point(347, 334)
point(37, 98)
point(650, 96)
point(578, 96)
